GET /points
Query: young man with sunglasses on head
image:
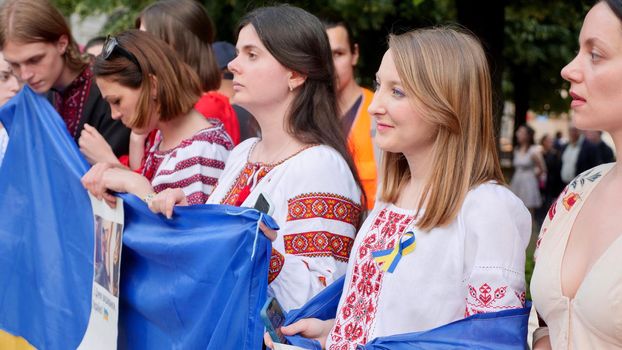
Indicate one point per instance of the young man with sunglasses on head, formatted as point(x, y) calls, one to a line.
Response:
point(38, 45)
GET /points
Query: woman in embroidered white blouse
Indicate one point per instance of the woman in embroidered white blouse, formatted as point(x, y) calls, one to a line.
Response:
point(442, 188)
point(284, 76)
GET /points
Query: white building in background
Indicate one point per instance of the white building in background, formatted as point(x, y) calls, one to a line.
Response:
point(83, 29)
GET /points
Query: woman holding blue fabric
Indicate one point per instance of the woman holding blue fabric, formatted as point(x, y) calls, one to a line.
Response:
point(148, 87)
point(284, 76)
point(446, 238)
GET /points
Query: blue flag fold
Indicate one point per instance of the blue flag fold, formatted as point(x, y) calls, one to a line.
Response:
point(194, 282)
point(503, 330)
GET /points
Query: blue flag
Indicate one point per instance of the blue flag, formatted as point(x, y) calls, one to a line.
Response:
point(504, 330)
point(194, 282)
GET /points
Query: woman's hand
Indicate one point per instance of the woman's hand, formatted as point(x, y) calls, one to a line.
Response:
point(311, 328)
point(94, 147)
point(164, 201)
point(268, 232)
point(93, 181)
point(105, 177)
point(543, 343)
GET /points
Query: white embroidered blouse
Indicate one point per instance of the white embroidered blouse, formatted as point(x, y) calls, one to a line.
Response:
point(317, 207)
point(473, 265)
point(194, 165)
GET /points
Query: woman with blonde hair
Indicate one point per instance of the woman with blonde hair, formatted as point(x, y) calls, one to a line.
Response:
point(446, 238)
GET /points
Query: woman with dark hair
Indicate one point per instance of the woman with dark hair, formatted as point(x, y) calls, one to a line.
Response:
point(577, 281)
point(284, 76)
point(186, 26)
point(149, 88)
point(528, 168)
point(37, 43)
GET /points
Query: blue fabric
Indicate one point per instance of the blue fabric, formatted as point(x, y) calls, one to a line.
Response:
point(504, 330)
point(189, 283)
point(46, 228)
point(195, 282)
point(323, 306)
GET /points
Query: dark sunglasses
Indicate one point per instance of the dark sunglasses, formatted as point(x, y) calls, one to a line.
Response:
point(111, 45)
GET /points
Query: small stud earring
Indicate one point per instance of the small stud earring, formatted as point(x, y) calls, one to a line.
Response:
point(291, 88)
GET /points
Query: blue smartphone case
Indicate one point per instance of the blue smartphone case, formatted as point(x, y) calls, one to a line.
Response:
point(273, 318)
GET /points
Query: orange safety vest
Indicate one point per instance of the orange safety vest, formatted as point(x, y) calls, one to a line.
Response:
point(362, 149)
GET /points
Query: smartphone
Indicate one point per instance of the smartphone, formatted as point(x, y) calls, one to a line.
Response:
point(273, 318)
point(263, 204)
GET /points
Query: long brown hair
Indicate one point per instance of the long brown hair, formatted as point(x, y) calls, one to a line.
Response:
point(178, 87)
point(298, 41)
point(447, 72)
point(33, 21)
point(186, 26)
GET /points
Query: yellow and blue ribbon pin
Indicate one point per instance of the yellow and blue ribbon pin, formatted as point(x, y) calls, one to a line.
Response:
point(389, 258)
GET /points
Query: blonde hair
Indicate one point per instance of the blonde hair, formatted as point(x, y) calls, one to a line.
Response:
point(446, 72)
point(33, 21)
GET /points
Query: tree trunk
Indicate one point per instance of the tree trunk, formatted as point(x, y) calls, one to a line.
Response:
point(520, 80)
point(486, 19)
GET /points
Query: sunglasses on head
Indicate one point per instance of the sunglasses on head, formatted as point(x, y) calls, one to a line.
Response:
point(111, 46)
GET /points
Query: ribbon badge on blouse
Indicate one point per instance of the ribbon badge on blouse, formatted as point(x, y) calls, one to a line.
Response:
point(389, 258)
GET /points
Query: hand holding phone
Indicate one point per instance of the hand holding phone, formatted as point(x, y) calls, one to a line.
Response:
point(273, 318)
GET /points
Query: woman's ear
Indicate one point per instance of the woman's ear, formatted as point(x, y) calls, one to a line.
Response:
point(295, 80)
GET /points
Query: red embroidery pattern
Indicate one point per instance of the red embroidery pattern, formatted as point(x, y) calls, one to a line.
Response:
point(323, 205)
point(190, 162)
point(276, 265)
point(356, 315)
point(316, 244)
point(553, 209)
point(570, 200)
point(251, 172)
point(70, 102)
point(484, 299)
point(154, 157)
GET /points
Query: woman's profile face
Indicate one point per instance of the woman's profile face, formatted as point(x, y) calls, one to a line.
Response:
point(259, 80)
point(9, 86)
point(594, 74)
point(400, 127)
point(123, 102)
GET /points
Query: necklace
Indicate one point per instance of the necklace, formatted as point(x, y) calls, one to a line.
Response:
point(276, 160)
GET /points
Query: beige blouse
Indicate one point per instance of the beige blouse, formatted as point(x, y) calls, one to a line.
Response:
point(593, 319)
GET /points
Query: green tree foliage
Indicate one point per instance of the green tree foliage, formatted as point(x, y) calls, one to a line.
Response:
point(540, 36)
